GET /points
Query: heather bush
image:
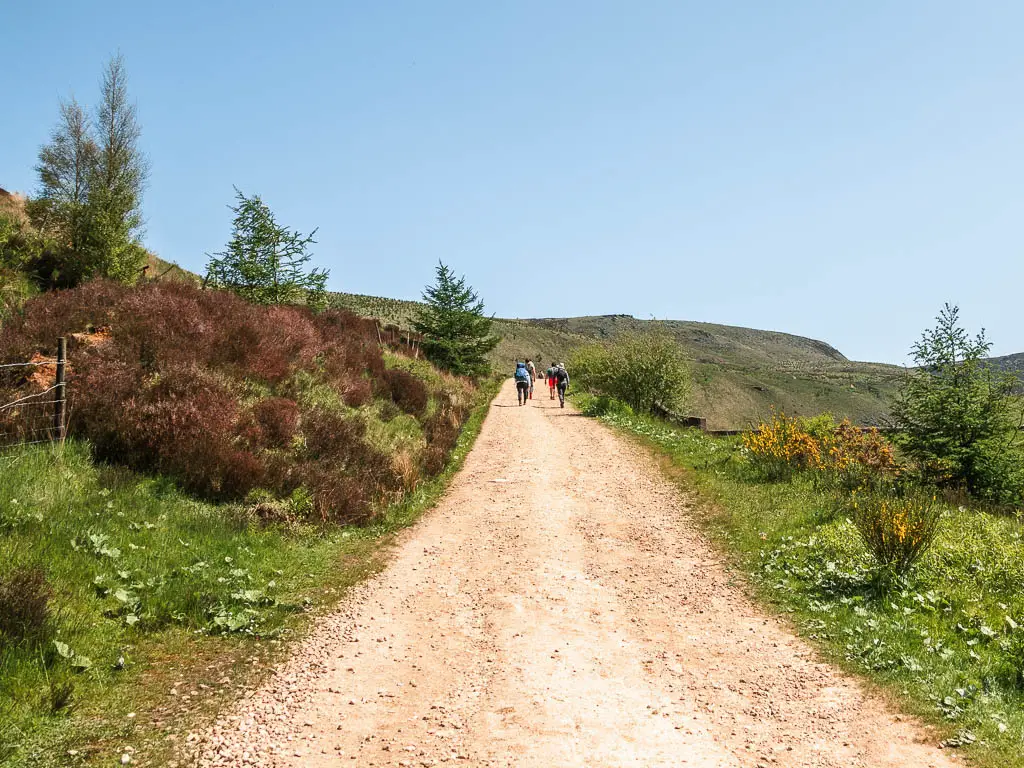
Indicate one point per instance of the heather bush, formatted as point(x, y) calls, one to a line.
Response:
point(407, 391)
point(228, 397)
point(330, 435)
point(356, 392)
point(277, 419)
point(441, 430)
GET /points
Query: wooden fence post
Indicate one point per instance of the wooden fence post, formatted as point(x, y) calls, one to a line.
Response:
point(60, 401)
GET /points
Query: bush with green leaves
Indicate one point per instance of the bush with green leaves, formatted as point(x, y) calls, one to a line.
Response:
point(645, 369)
point(957, 415)
point(896, 528)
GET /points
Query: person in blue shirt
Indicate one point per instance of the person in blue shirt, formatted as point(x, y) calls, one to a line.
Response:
point(522, 376)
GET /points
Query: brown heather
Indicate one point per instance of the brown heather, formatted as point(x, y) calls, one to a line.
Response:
point(162, 379)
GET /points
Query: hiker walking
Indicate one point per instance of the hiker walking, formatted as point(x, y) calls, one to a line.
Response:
point(523, 380)
point(561, 382)
point(533, 374)
point(550, 375)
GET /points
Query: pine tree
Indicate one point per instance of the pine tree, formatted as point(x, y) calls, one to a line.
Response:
point(265, 262)
point(457, 334)
point(956, 414)
point(116, 184)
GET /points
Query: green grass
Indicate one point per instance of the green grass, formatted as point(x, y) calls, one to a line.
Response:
point(154, 591)
point(946, 645)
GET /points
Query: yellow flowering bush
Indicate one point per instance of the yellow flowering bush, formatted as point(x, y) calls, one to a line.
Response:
point(777, 447)
point(850, 446)
point(781, 445)
point(896, 530)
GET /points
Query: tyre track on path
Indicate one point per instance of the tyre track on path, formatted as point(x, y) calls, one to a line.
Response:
point(558, 608)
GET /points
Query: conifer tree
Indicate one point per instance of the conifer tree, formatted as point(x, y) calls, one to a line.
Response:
point(957, 414)
point(265, 262)
point(118, 179)
point(457, 334)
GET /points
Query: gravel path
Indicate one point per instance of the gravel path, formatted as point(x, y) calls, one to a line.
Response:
point(558, 609)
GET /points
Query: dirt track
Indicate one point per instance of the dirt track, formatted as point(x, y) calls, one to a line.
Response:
point(558, 609)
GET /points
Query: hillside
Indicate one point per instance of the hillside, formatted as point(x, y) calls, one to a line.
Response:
point(740, 374)
point(1011, 363)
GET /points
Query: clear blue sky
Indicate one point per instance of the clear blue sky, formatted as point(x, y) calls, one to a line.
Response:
point(837, 170)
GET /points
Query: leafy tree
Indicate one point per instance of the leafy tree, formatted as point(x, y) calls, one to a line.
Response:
point(645, 369)
point(65, 167)
point(955, 413)
point(457, 334)
point(264, 261)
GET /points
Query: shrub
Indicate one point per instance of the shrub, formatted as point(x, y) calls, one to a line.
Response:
point(897, 530)
point(408, 392)
point(274, 422)
point(24, 604)
point(778, 447)
point(330, 435)
point(645, 369)
point(602, 405)
point(842, 452)
point(852, 458)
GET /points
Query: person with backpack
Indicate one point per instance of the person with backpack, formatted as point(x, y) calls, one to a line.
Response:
point(562, 382)
point(533, 374)
point(550, 375)
point(522, 377)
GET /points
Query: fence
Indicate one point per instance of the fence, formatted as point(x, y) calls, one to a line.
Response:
point(33, 408)
point(399, 338)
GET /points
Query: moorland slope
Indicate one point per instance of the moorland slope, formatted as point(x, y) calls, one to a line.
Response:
point(740, 374)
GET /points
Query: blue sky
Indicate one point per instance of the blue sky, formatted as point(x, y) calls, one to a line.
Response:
point(837, 170)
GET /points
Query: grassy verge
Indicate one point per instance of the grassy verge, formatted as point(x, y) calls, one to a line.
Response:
point(947, 645)
point(161, 607)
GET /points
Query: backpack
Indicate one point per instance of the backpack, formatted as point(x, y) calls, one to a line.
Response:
point(522, 374)
point(561, 375)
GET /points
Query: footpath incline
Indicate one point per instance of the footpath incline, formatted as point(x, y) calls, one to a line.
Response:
point(558, 608)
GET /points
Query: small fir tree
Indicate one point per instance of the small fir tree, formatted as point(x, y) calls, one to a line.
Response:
point(955, 412)
point(116, 183)
point(457, 334)
point(265, 262)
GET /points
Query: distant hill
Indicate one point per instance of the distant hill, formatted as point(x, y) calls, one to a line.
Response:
point(740, 374)
point(1011, 363)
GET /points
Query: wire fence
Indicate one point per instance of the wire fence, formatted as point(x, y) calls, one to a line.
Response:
point(33, 400)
